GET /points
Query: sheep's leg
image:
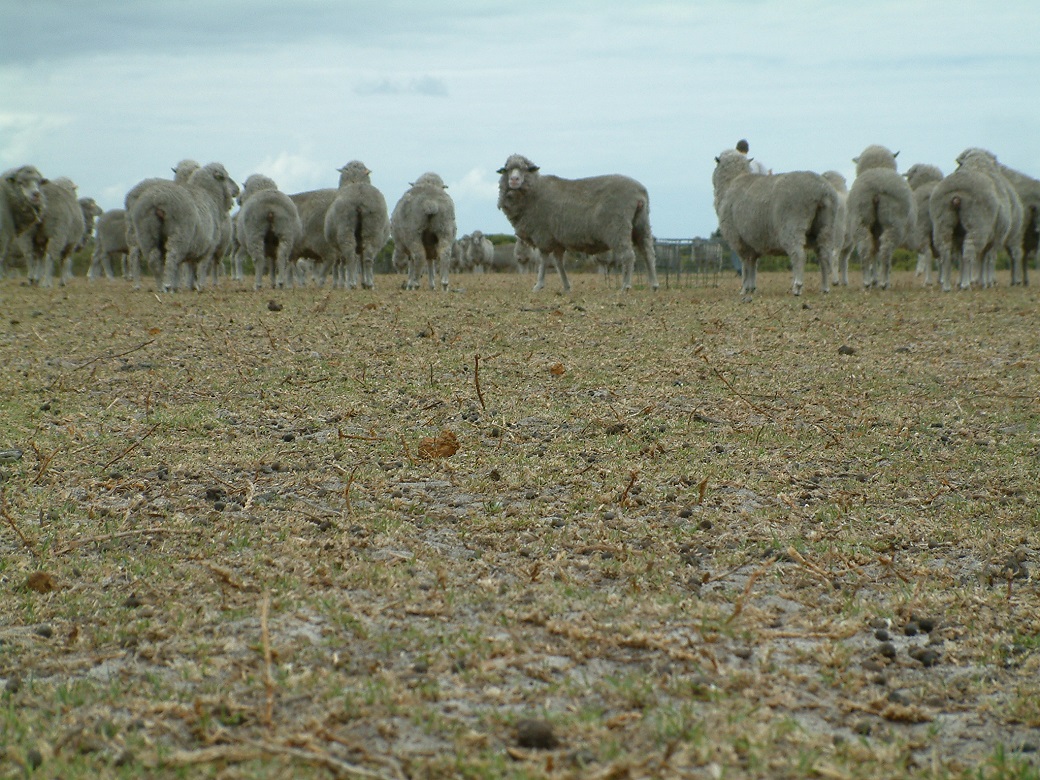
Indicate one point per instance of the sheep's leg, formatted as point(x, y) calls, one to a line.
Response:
point(968, 260)
point(748, 274)
point(445, 264)
point(558, 259)
point(94, 270)
point(540, 281)
point(797, 255)
point(886, 248)
point(285, 271)
point(170, 271)
point(826, 260)
point(368, 259)
point(625, 257)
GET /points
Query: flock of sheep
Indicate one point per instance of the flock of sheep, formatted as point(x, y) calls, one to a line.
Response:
point(962, 220)
point(184, 227)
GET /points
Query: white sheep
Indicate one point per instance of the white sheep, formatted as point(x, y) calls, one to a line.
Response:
point(922, 179)
point(842, 237)
point(109, 244)
point(268, 226)
point(970, 220)
point(526, 256)
point(1028, 190)
point(313, 247)
point(22, 204)
point(479, 251)
point(181, 173)
point(785, 213)
point(881, 213)
point(49, 243)
point(179, 224)
point(357, 226)
point(423, 229)
point(595, 214)
point(1012, 242)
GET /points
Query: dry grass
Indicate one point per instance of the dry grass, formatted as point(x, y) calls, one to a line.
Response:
point(373, 534)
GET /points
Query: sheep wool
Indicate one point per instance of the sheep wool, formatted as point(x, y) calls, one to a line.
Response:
point(423, 228)
point(785, 213)
point(179, 224)
point(268, 227)
point(881, 213)
point(596, 214)
point(922, 179)
point(357, 226)
point(51, 241)
point(22, 203)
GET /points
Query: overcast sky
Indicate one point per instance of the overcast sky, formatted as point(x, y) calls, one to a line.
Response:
point(108, 92)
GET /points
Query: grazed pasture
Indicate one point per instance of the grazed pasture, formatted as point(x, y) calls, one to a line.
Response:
point(491, 533)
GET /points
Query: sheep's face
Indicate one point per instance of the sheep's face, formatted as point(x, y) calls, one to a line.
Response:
point(516, 171)
point(26, 182)
point(91, 210)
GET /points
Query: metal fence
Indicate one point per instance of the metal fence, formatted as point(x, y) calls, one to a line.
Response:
point(691, 262)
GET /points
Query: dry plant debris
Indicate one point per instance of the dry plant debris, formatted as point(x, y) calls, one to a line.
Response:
point(684, 536)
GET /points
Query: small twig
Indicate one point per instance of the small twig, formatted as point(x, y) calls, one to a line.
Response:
point(112, 357)
point(265, 636)
point(350, 481)
point(812, 567)
point(407, 452)
point(132, 447)
point(476, 381)
point(119, 535)
point(747, 589)
point(623, 500)
point(44, 464)
point(267, 330)
point(14, 525)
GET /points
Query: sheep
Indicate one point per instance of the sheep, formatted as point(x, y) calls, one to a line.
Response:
point(183, 223)
point(1028, 190)
point(592, 215)
point(181, 174)
point(22, 204)
point(505, 258)
point(970, 220)
point(842, 238)
point(109, 244)
point(313, 206)
point(457, 256)
point(268, 227)
point(423, 228)
point(525, 255)
point(357, 225)
point(881, 213)
point(480, 252)
point(922, 179)
point(1014, 241)
point(49, 243)
point(782, 213)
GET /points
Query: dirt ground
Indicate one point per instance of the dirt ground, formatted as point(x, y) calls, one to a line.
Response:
point(493, 533)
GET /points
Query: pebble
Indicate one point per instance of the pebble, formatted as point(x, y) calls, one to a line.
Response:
point(882, 635)
point(911, 628)
point(45, 631)
point(887, 649)
point(536, 734)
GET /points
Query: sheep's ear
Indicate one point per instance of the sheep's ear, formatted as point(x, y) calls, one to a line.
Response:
point(501, 170)
point(855, 160)
point(718, 160)
point(895, 154)
point(532, 168)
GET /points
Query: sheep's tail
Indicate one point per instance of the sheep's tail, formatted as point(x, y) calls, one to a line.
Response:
point(431, 208)
point(955, 201)
point(270, 217)
point(160, 213)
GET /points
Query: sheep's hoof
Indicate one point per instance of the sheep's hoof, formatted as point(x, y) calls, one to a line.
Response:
point(746, 298)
